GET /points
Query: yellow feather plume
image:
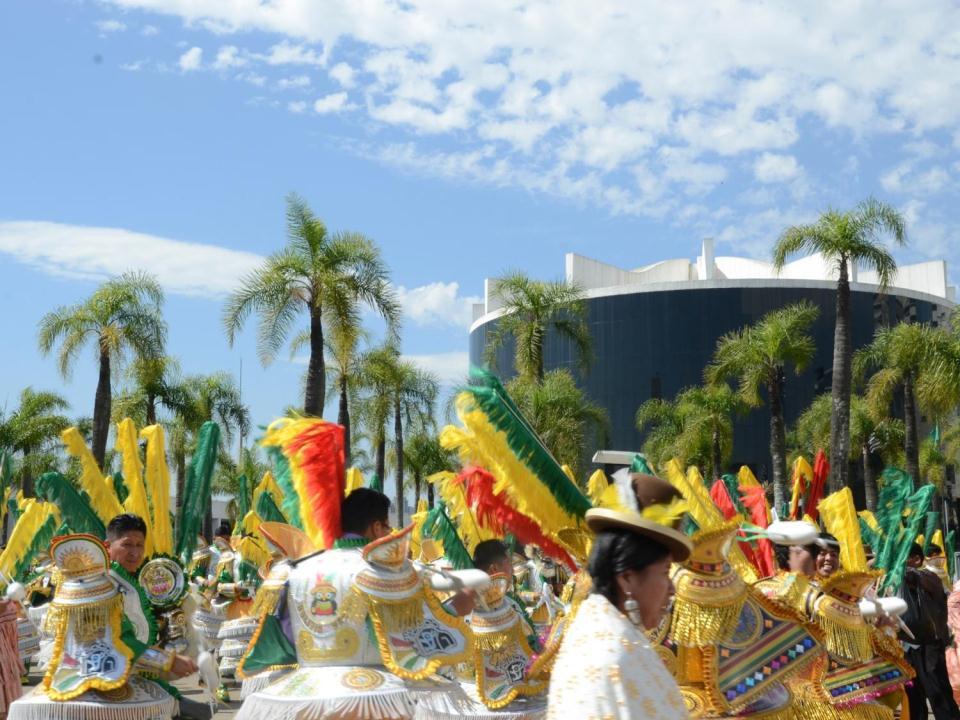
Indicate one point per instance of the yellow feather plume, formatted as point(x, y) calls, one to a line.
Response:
point(268, 484)
point(840, 519)
point(253, 551)
point(480, 443)
point(35, 514)
point(707, 516)
point(746, 478)
point(668, 514)
point(568, 471)
point(354, 481)
point(870, 519)
point(937, 539)
point(157, 482)
point(136, 501)
point(457, 509)
point(103, 498)
point(250, 524)
point(596, 486)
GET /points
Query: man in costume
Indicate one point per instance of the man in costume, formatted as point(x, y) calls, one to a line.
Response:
point(126, 540)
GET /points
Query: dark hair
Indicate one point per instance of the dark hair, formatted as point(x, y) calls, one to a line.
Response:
point(915, 551)
point(125, 523)
point(488, 552)
point(782, 554)
point(935, 550)
point(361, 509)
point(616, 551)
point(223, 530)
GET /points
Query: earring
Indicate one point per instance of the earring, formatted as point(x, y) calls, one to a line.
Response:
point(632, 608)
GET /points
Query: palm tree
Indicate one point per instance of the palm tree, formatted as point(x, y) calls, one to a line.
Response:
point(562, 415)
point(424, 455)
point(868, 435)
point(153, 383)
point(376, 379)
point(846, 240)
point(207, 397)
point(757, 357)
point(906, 357)
point(531, 309)
point(696, 426)
point(121, 315)
point(33, 429)
point(326, 275)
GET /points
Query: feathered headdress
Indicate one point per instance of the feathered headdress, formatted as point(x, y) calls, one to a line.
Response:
point(496, 436)
point(103, 498)
point(32, 533)
point(196, 490)
point(314, 453)
point(157, 481)
point(438, 526)
point(458, 509)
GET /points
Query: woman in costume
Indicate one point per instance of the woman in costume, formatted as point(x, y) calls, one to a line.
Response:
point(606, 666)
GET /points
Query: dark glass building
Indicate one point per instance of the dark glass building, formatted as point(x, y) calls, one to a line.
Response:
point(655, 329)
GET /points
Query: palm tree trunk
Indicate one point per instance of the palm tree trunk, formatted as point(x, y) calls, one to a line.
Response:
point(151, 410)
point(416, 488)
point(101, 409)
point(911, 443)
point(778, 442)
point(715, 454)
point(430, 499)
point(315, 396)
point(343, 419)
point(381, 461)
point(840, 388)
point(180, 467)
point(398, 441)
point(869, 481)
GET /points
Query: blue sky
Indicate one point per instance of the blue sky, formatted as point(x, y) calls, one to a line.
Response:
point(465, 138)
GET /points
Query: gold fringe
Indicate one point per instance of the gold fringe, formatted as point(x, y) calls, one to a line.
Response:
point(848, 643)
point(697, 625)
point(493, 642)
point(398, 615)
point(266, 601)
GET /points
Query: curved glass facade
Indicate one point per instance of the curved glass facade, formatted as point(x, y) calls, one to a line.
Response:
point(653, 344)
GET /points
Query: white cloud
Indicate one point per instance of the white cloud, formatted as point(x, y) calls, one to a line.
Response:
point(97, 253)
point(228, 57)
point(253, 78)
point(110, 26)
point(299, 81)
point(298, 107)
point(451, 368)
point(343, 74)
point(287, 53)
point(149, 30)
point(191, 59)
point(576, 98)
point(438, 303)
point(133, 66)
point(773, 168)
point(335, 102)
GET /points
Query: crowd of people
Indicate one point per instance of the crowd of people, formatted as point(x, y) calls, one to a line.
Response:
point(516, 596)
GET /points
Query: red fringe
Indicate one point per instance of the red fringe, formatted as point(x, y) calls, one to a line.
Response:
point(821, 469)
point(494, 513)
point(318, 452)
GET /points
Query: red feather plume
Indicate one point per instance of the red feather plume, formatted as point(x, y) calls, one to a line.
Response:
point(754, 500)
point(494, 513)
point(319, 453)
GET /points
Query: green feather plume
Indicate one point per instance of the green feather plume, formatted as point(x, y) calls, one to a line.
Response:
point(120, 487)
point(929, 528)
point(75, 512)
point(870, 536)
point(895, 487)
point(490, 397)
point(267, 509)
point(375, 483)
point(196, 490)
point(290, 504)
point(437, 525)
point(40, 542)
point(917, 504)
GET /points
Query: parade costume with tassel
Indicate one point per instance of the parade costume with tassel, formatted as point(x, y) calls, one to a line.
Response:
point(89, 677)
